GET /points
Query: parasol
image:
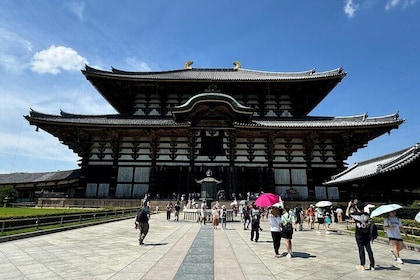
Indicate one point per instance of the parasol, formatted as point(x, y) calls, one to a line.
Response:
point(324, 203)
point(278, 204)
point(417, 218)
point(366, 209)
point(267, 199)
point(384, 209)
point(234, 203)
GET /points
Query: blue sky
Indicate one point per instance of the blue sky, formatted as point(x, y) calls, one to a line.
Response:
point(44, 44)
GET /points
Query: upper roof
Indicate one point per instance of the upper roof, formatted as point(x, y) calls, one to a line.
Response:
point(376, 166)
point(305, 89)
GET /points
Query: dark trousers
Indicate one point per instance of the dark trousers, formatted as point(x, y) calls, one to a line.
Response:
point(276, 235)
point(144, 229)
point(255, 229)
point(168, 215)
point(363, 243)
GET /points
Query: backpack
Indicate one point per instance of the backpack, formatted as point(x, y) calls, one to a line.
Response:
point(373, 231)
point(142, 216)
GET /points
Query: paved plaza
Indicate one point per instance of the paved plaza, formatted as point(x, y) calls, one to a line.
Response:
point(186, 250)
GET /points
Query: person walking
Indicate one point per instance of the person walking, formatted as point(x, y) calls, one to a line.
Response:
point(339, 213)
point(274, 218)
point(246, 217)
point(393, 227)
point(142, 222)
point(255, 222)
point(320, 217)
point(215, 216)
point(310, 213)
point(287, 221)
point(223, 214)
point(362, 236)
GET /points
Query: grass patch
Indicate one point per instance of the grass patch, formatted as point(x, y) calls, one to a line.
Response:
point(28, 212)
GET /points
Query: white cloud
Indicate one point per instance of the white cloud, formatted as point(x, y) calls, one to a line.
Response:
point(14, 51)
point(137, 65)
point(54, 59)
point(76, 8)
point(391, 4)
point(350, 8)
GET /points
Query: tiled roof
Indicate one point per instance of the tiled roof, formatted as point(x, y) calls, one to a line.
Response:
point(307, 122)
point(22, 178)
point(380, 165)
point(221, 74)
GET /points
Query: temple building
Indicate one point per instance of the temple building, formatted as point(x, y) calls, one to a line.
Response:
point(388, 178)
point(251, 128)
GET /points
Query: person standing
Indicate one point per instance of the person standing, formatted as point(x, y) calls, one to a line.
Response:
point(177, 208)
point(287, 221)
point(362, 236)
point(274, 219)
point(255, 222)
point(142, 222)
point(203, 212)
point(393, 227)
point(168, 211)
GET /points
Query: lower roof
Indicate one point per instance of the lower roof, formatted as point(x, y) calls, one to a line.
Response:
point(380, 165)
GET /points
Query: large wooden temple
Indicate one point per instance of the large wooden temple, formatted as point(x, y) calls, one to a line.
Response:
point(251, 128)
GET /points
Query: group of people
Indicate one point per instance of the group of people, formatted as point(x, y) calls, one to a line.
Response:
point(282, 221)
point(364, 238)
point(170, 208)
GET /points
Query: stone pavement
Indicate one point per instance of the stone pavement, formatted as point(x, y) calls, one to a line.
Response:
point(186, 250)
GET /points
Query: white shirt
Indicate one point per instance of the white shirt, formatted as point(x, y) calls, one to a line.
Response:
point(274, 223)
point(395, 231)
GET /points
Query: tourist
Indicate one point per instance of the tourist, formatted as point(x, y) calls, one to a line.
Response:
point(310, 213)
point(339, 212)
point(177, 208)
point(223, 215)
point(274, 218)
point(320, 217)
point(287, 221)
point(255, 222)
point(203, 212)
point(142, 222)
point(169, 207)
point(393, 227)
point(362, 236)
point(215, 216)
point(245, 216)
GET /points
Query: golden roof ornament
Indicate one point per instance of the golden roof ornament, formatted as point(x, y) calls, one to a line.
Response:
point(237, 65)
point(188, 64)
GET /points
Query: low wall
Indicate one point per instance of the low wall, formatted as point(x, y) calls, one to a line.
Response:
point(194, 215)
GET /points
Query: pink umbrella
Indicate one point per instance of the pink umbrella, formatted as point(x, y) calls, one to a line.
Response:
point(267, 199)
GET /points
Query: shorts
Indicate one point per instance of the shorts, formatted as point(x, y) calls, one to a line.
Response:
point(321, 221)
point(395, 239)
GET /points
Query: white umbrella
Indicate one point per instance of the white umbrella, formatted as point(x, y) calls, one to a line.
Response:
point(367, 208)
point(417, 218)
point(384, 209)
point(324, 203)
point(234, 203)
point(278, 204)
point(242, 202)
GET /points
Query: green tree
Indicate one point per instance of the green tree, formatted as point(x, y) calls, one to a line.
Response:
point(8, 191)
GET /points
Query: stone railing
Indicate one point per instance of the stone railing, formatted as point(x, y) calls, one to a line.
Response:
point(194, 215)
